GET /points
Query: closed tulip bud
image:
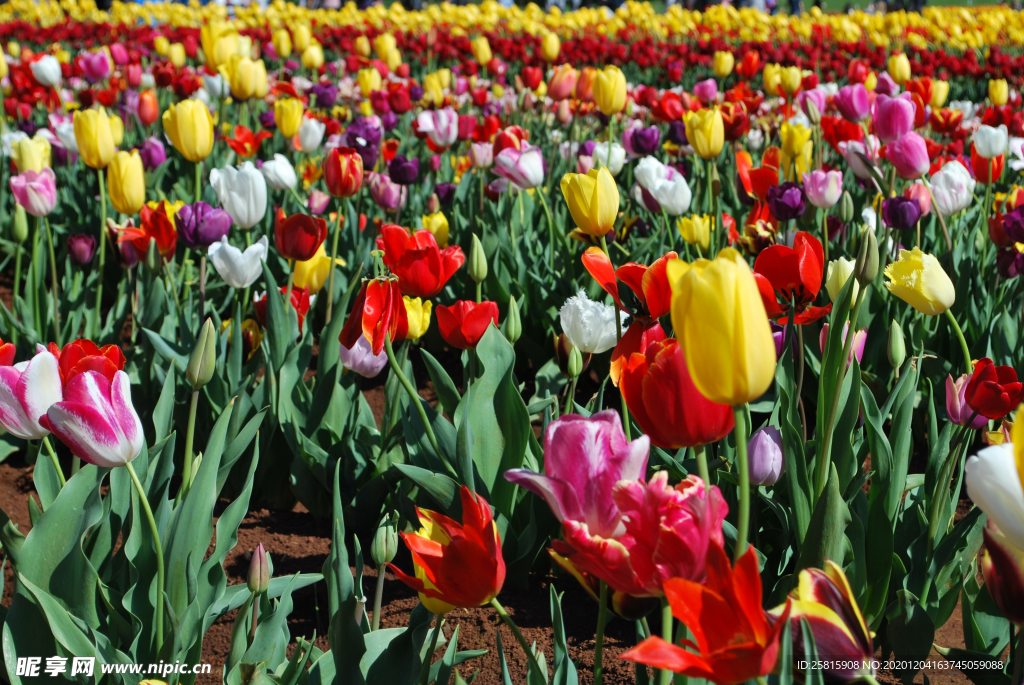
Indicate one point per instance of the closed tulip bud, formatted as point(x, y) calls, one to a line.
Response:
point(283, 43)
point(176, 54)
point(362, 46)
point(19, 230)
point(243, 78)
point(149, 108)
point(575, 366)
point(477, 261)
point(126, 182)
point(899, 68)
point(154, 260)
point(481, 50)
point(383, 44)
point(610, 90)
point(790, 79)
point(766, 456)
point(593, 200)
point(838, 273)
point(190, 127)
point(513, 327)
point(897, 349)
point(302, 35)
point(550, 47)
point(940, 91)
point(343, 171)
point(385, 540)
point(846, 207)
point(723, 63)
point(203, 362)
point(813, 113)
point(288, 116)
point(258, 579)
point(3, 66)
point(866, 268)
point(705, 131)
point(313, 56)
point(94, 137)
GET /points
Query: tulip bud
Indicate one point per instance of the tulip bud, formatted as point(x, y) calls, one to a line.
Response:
point(575, 366)
point(867, 259)
point(512, 327)
point(766, 456)
point(20, 231)
point(258, 579)
point(433, 203)
point(812, 112)
point(716, 181)
point(477, 261)
point(846, 207)
point(153, 258)
point(385, 541)
point(203, 362)
point(897, 347)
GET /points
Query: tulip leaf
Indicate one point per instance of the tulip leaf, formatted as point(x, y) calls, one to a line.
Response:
point(979, 675)
point(443, 489)
point(163, 413)
point(447, 393)
point(168, 351)
point(910, 635)
point(279, 334)
point(239, 445)
point(564, 668)
point(825, 539)
point(799, 488)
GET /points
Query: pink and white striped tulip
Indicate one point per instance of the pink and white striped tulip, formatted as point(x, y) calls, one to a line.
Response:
point(440, 125)
point(27, 390)
point(96, 419)
point(35, 191)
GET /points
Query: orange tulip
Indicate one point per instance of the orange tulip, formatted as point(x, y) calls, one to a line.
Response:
point(149, 108)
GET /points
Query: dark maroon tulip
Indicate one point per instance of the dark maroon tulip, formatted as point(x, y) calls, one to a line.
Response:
point(901, 213)
point(787, 201)
point(81, 248)
point(200, 225)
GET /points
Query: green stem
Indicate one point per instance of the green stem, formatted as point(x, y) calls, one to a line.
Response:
point(103, 252)
point(700, 451)
point(1018, 662)
point(56, 463)
point(602, 616)
point(334, 256)
point(963, 342)
point(571, 399)
point(158, 623)
point(743, 524)
point(665, 676)
point(942, 487)
point(190, 432)
point(618, 337)
point(53, 280)
point(425, 670)
point(378, 596)
point(255, 618)
point(519, 636)
point(824, 233)
point(199, 181)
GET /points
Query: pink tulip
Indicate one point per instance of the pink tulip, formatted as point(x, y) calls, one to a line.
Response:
point(96, 419)
point(956, 403)
point(893, 117)
point(853, 103)
point(823, 188)
point(909, 155)
point(918, 191)
point(583, 460)
point(318, 201)
point(706, 91)
point(35, 191)
point(816, 95)
point(441, 126)
point(27, 390)
point(584, 163)
point(856, 349)
point(95, 66)
point(886, 85)
point(388, 195)
point(119, 54)
point(481, 155)
point(361, 360)
point(525, 167)
point(853, 149)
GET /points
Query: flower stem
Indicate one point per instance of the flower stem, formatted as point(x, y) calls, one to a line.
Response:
point(602, 616)
point(963, 342)
point(158, 623)
point(700, 451)
point(199, 181)
point(425, 670)
point(334, 256)
point(255, 618)
point(519, 636)
point(665, 676)
point(98, 325)
point(743, 524)
point(53, 458)
point(53, 278)
point(618, 337)
point(186, 473)
point(824, 233)
point(378, 596)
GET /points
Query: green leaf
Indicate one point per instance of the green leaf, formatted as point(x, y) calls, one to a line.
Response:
point(443, 489)
point(825, 537)
point(444, 387)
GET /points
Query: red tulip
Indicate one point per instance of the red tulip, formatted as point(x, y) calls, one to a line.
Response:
point(513, 136)
point(156, 225)
point(343, 171)
point(532, 76)
point(299, 300)
point(464, 323)
point(734, 639)
point(981, 166)
point(7, 352)
point(994, 391)
point(80, 356)
point(750, 65)
point(467, 127)
point(246, 143)
point(785, 274)
point(1002, 565)
point(666, 404)
point(945, 120)
point(859, 71)
point(399, 100)
point(378, 312)
point(298, 236)
point(421, 267)
point(837, 130)
point(735, 119)
point(669, 107)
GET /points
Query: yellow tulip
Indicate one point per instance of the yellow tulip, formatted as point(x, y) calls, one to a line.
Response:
point(283, 43)
point(437, 224)
point(797, 150)
point(302, 36)
point(365, 108)
point(899, 68)
point(369, 81)
point(219, 41)
point(917, 278)
point(189, 126)
point(94, 137)
point(940, 91)
point(288, 116)
point(790, 79)
point(794, 137)
point(394, 60)
point(418, 313)
point(362, 46)
point(243, 46)
point(610, 90)
point(126, 182)
point(550, 47)
point(31, 154)
point(243, 78)
point(116, 129)
point(839, 272)
point(313, 56)
point(498, 90)
point(722, 327)
point(432, 89)
point(593, 200)
point(723, 63)
point(3, 66)
point(705, 131)
point(872, 81)
point(696, 230)
point(444, 77)
point(383, 45)
point(314, 272)
point(998, 91)
point(772, 76)
point(262, 84)
point(161, 44)
point(481, 50)
point(14, 49)
point(176, 53)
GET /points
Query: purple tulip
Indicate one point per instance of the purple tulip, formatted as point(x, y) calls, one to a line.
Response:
point(445, 193)
point(706, 91)
point(766, 457)
point(852, 103)
point(787, 201)
point(1013, 224)
point(1010, 262)
point(388, 195)
point(389, 120)
point(587, 149)
point(291, 65)
point(364, 137)
point(95, 66)
point(677, 132)
point(81, 248)
point(779, 336)
point(956, 402)
point(153, 153)
point(835, 226)
point(584, 458)
point(901, 213)
point(640, 142)
point(415, 92)
point(267, 121)
point(361, 360)
point(404, 171)
point(325, 95)
point(856, 349)
point(200, 225)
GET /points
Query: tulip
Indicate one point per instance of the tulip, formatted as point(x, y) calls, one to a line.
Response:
point(706, 91)
point(149, 108)
point(242, 193)
point(787, 201)
point(952, 188)
point(441, 126)
point(696, 230)
point(998, 91)
point(993, 391)
point(989, 141)
point(437, 224)
point(279, 173)
point(95, 66)
point(901, 213)
point(993, 478)
point(81, 248)
point(957, 409)
point(984, 169)
point(790, 79)
point(313, 57)
point(1002, 566)
point(853, 103)
point(823, 188)
point(243, 79)
point(298, 236)
point(813, 102)
point(361, 360)
point(288, 116)
point(639, 141)
point(96, 419)
point(666, 404)
point(417, 311)
point(94, 138)
point(723, 63)
point(299, 300)
point(909, 155)
point(899, 68)
point(200, 225)
point(839, 272)
point(722, 327)
point(590, 326)
point(31, 154)
point(919, 191)
point(765, 456)
point(282, 41)
point(860, 339)
point(404, 171)
point(705, 131)
point(772, 77)
point(238, 269)
point(853, 150)
point(481, 50)
point(343, 172)
point(378, 314)
point(27, 391)
point(312, 273)
point(665, 184)
point(388, 195)
point(791, 276)
point(940, 91)
point(189, 126)
point(600, 157)
point(481, 155)
point(46, 70)
point(610, 90)
point(593, 201)
point(917, 278)
point(463, 324)
point(585, 84)
point(562, 83)
point(893, 117)
point(311, 134)
point(36, 192)
point(126, 182)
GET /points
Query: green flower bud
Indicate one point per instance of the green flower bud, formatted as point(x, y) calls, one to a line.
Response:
point(513, 327)
point(385, 541)
point(20, 231)
point(575, 362)
point(812, 111)
point(866, 268)
point(477, 261)
point(897, 346)
point(154, 261)
point(716, 181)
point(258, 579)
point(203, 362)
point(846, 207)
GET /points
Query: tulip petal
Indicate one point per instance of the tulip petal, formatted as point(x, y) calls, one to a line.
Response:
point(658, 653)
point(12, 414)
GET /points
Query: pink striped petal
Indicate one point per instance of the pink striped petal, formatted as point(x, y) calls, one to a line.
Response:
point(39, 387)
point(12, 415)
point(86, 431)
point(127, 417)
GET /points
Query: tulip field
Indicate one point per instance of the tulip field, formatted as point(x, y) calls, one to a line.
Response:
point(530, 347)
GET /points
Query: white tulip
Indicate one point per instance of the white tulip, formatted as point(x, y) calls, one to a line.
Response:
point(216, 86)
point(588, 325)
point(279, 173)
point(839, 272)
point(952, 188)
point(46, 70)
point(148, 81)
point(990, 141)
point(9, 139)
point(665, 184)
point(601, 157)
point(66, 135)
point(967, 107)
point(311, 134)
point(993, 482)
point(1016, 153)
point(853, 150)
point(242, 193)
point(239, 269)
